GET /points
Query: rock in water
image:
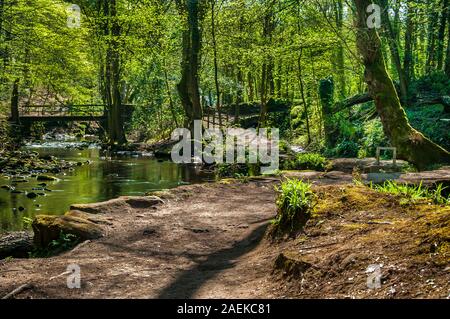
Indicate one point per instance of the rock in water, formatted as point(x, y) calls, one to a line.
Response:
point(32, 195)
point(47, 228)
point(46, 178)
point(16, 244)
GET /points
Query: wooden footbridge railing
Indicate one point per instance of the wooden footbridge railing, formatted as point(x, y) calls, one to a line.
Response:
point(66, 113)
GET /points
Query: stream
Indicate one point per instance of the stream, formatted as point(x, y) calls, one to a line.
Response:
point(102, 179)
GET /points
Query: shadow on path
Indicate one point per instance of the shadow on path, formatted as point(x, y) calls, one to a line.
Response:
point(189, 281)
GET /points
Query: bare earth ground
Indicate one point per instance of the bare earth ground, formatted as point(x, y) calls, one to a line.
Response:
point(208, 241)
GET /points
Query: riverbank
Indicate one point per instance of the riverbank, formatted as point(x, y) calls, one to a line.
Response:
point(208, 241)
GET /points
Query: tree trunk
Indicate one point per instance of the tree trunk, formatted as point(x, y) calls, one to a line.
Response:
point(15, 103)
point(115, 128)
point(340, 61)
point(395, 53)
point(216, 67)
point(251, 92)
point(302, 92)
point(447, 60)
point(431, 49)
point(239, 95)
point(188, 88)
point(169, 95)
point(441, 36)
point(2, 40)
point(411, 144)
point(408, 65)
point(267, 84)
point(326, 90)
point(263, 112)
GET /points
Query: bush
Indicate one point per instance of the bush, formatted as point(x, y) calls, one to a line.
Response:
point(295, 202)
point(308, 161)
point(237, 170)
point(284, 147)
point(436, 83)
point(427, 121)
point(346, 148)
point(373, 136)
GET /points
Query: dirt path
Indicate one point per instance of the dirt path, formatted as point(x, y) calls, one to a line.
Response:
point(174, 250)
point(208, 241)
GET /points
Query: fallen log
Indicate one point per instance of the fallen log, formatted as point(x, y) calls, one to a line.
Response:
point(351, 101)
point(444, 100)
point(364, 98)
point(16, 244)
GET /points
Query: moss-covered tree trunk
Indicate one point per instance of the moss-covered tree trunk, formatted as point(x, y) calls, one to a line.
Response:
point(188, 88)
point(411, 144)
point(395, 52)
point(111, 74)
point(326, 92)
point(115, 128)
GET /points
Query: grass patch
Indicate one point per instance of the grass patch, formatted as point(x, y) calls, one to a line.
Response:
point(413, 193)
point(307, 161)
point(295, 203)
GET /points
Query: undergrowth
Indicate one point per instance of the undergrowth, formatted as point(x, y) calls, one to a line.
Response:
point(295, 203)
point(63, 243)
point(413, 193)
point(307, 161)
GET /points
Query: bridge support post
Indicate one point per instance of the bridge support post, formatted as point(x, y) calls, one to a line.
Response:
point(15, 103)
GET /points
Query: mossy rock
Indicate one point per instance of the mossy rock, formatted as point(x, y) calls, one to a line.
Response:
point(89, 217)
point(46, 178)
point(162, 194)
point(47, 228)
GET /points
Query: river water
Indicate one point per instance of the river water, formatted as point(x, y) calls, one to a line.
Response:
point(100, 180)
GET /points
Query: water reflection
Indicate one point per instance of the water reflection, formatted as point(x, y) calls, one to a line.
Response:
point(100, 180)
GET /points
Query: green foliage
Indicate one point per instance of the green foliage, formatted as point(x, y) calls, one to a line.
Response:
point(413, 193)
point(295, 203)
point(237, 170)
point(326, 92)
point(436, 83)
point(63, 243)
point(427, 120)
point(37, 129)
point(346, 148)
point(307, 161)
point(27, 221)
point(373, 137)
point(9, 137)
point(284, 147)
